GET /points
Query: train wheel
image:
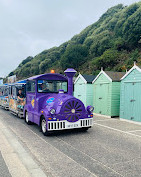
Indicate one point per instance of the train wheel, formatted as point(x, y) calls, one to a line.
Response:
point(44, 127)
point(27, 119)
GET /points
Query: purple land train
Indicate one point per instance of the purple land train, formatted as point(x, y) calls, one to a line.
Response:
point(51, 105)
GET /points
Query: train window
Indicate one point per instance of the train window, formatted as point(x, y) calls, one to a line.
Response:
point(52, 86)
point(30, 87)
point(14, 93)
point(22, 88)
point(5, 91)
point(0, 91)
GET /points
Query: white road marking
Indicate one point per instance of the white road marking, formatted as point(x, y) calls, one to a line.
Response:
point(134, 131)
point(130, 121)
point(126, 132)
point(104, 120)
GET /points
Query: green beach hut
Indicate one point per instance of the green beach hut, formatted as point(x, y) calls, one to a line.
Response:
point(130, 100)
point(106, 99)
point(83, 88)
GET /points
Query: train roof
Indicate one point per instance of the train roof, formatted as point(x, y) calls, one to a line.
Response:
point(3, 85)
point(21, 82)
point(49, 76)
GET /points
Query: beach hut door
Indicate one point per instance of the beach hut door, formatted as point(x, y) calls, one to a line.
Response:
point(129, 100)
point(81, 91)
point(102, 98)
point(137, 102)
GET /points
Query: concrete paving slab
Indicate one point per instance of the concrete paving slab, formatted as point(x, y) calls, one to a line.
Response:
point(4, 172)
point(28, 161)
point(38, 173)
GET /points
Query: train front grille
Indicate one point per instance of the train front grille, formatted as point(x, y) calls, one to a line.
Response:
point(56, 125)
point(61, 125)
point(86, 122)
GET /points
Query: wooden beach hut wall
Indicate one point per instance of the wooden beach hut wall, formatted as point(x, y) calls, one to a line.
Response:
point(130, 100)
point(106, 98)
point(83, 88)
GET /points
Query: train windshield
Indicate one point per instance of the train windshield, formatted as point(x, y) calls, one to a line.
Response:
point(45, 86)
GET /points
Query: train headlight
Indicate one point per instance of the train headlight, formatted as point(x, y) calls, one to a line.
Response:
point(90, 109)
point(52, 111)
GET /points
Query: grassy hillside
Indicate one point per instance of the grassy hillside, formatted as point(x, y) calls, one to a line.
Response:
point(113, 42)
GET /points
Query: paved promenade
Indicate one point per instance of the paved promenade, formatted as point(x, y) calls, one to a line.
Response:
point(112, 148)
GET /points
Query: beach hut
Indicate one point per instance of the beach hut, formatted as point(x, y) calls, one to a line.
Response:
point(130, 100)
point(83, 88)
point(106, 99)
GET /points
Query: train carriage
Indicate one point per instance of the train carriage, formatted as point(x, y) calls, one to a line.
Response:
point(50, 104)
point(1, 94)
point(15, 105)
point(4, 102)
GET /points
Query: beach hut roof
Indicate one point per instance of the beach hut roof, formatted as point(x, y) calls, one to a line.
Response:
point(89, 78)
point(115, 76)
point(86, 78)
point(111, 75)
point(134, 67)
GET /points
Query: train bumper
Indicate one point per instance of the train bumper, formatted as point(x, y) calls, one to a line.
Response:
point(62, 125)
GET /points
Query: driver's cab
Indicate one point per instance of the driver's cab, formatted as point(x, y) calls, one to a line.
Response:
point(39, 88)
point(48, 86)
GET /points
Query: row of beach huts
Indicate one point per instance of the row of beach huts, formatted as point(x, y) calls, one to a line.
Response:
point(113, 94)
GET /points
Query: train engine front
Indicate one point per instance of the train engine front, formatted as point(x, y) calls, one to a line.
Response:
point(64, 111)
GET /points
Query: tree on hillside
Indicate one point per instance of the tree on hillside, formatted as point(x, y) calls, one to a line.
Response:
point(132, 29)
point(74, 56)
point(28, 59)
point(44, 65)
point(108, 60)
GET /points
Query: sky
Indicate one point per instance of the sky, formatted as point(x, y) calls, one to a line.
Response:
point(27, 27)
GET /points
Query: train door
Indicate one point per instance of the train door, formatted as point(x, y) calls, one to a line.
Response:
point(1, 95)
point(6, 101)
point(12, 101)
point(9, 94)
point(20, 103)
point(30, 99)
